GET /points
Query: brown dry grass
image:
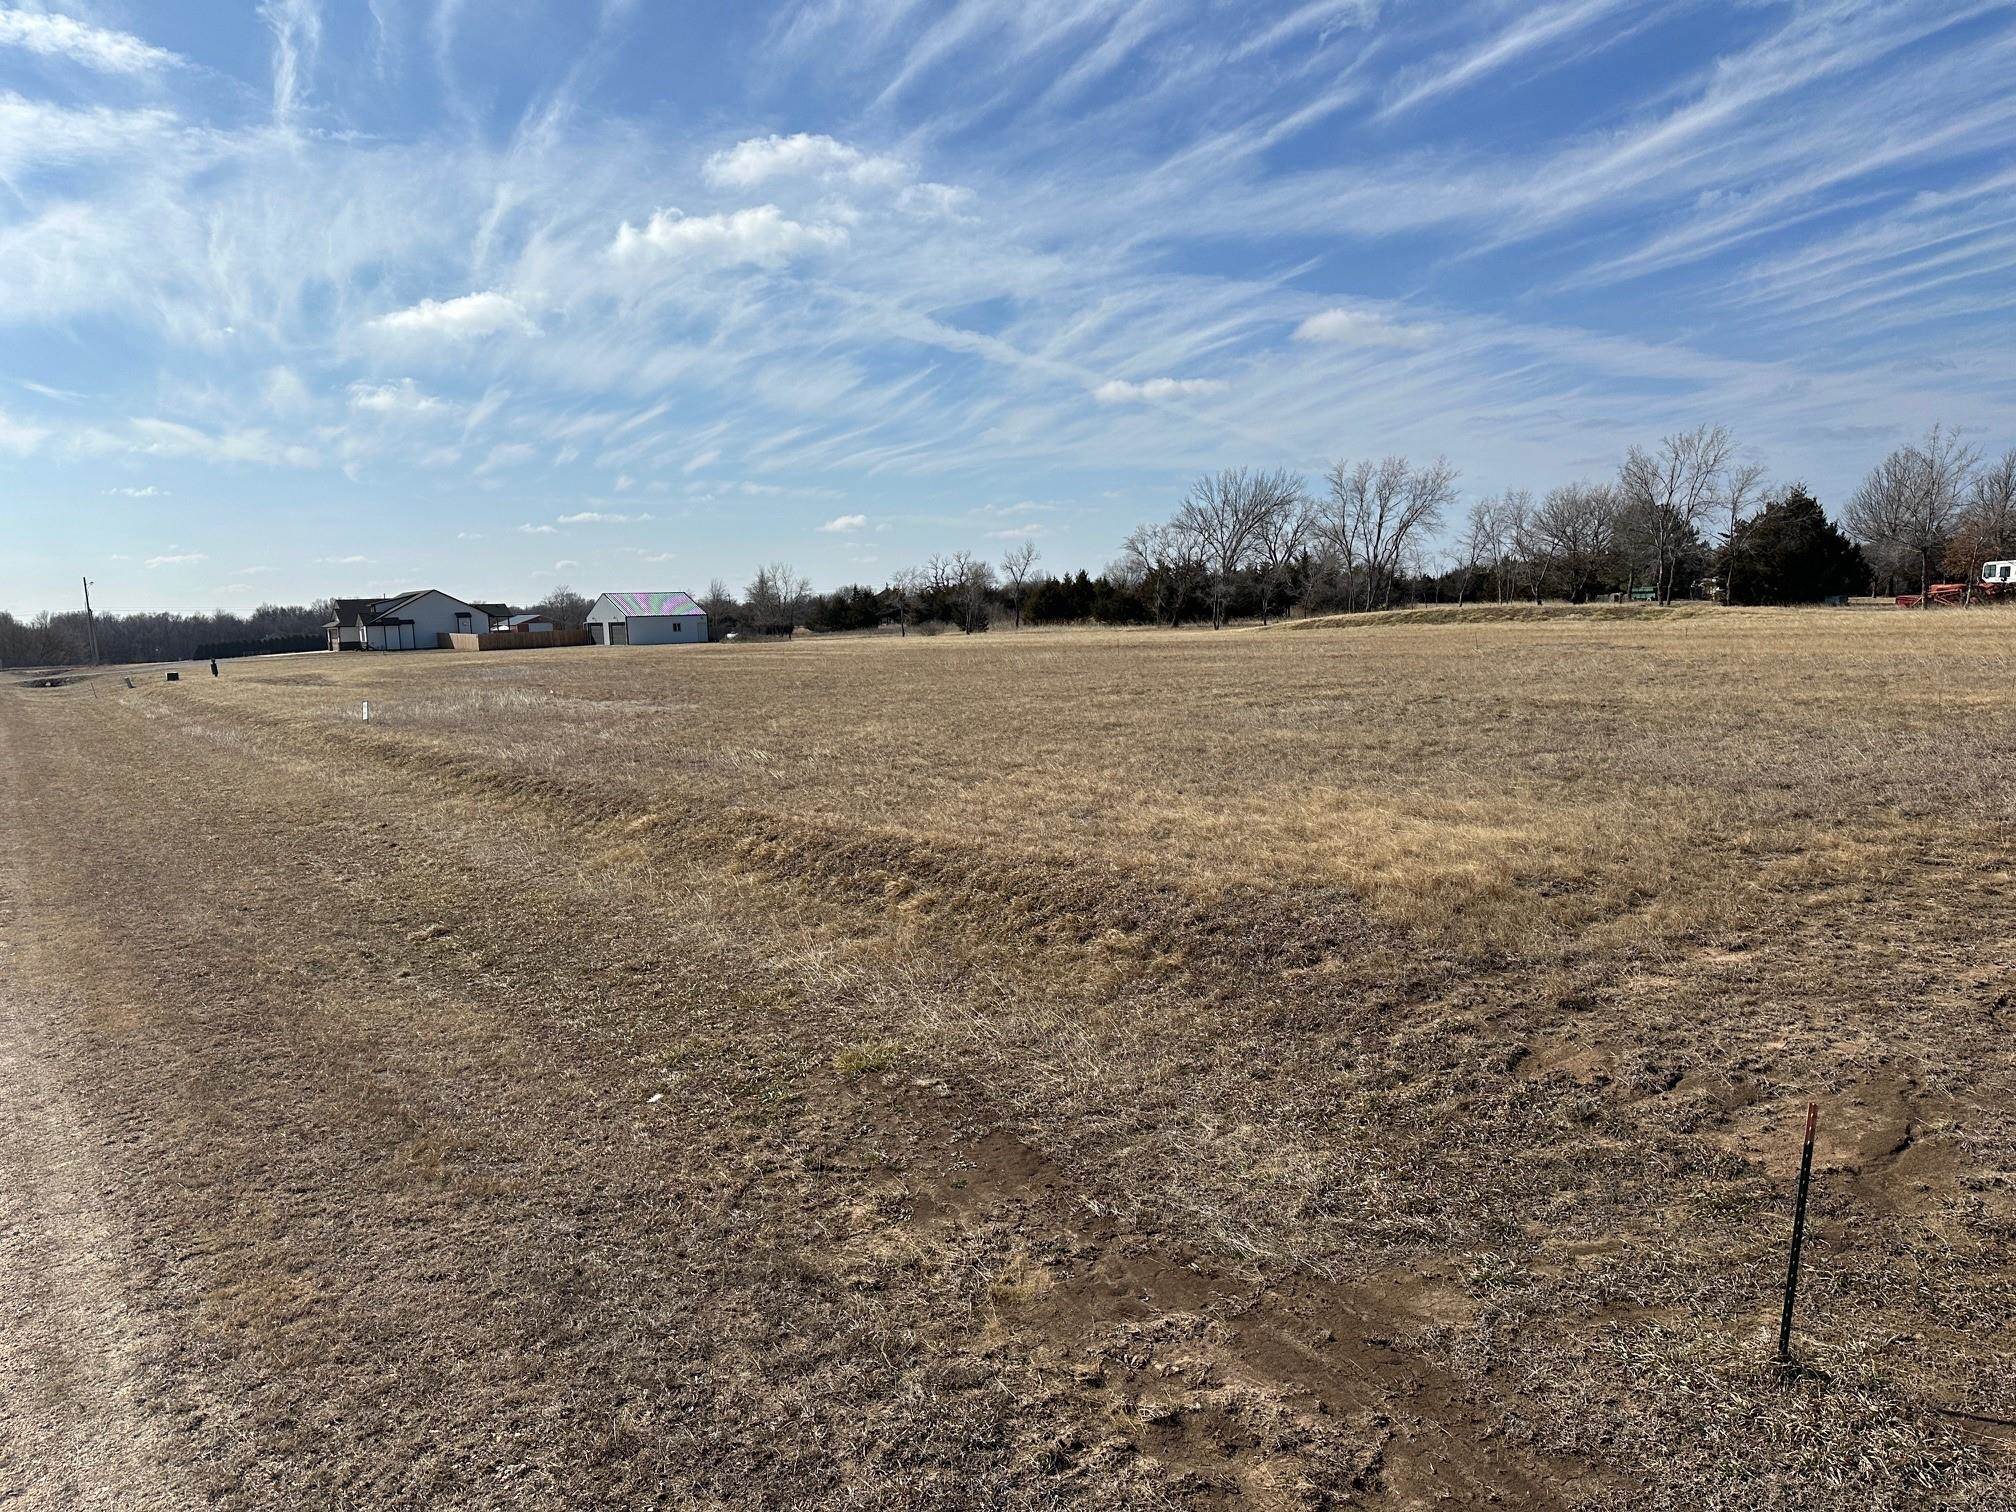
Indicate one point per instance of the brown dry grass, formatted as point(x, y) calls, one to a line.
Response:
point(1448, 983)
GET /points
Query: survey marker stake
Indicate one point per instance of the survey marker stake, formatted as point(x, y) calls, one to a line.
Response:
point(1798, 1238)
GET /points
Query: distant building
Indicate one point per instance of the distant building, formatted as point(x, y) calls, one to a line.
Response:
point(646, 619)
point(535, 623)
point(404, 621)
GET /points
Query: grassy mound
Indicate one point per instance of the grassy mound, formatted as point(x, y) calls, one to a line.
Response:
point(1481, 614)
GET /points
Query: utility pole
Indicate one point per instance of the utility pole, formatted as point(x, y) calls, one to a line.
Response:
point(90, 622)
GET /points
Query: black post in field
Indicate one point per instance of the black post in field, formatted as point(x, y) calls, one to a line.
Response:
point(1798, 1237)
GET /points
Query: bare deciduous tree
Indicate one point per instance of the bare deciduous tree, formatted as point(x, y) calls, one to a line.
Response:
point(1742, 492)
point(1574, 533)
point(972, 583)
point(1278, 544)
point(1223, 515)
point(1987, 528)
point(906, 593)
point(721, 607)
point(1524, 566)
point(1376, 514)
point(1018, 570)
point(567, 609)
point(1912, 500)
point(776, 597)
point(1166, 562)
point(1673, 490)
point(1481, 546)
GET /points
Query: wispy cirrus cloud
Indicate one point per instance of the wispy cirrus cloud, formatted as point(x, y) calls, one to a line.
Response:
point(50, 35)
point(297, 37)
point(1529, 34)
point(172, 438)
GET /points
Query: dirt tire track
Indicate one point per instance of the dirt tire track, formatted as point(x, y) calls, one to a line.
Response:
point(77, 1429)
point(1317, 1352)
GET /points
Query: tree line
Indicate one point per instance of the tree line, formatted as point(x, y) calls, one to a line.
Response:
point(64, 639)
point(1689, 515)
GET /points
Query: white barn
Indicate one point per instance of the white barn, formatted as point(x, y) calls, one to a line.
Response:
point(646, 619)
point(404, 621)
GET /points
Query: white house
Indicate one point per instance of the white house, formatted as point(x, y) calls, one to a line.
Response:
point(646, 619)
point(404, 622)
point(534, 623)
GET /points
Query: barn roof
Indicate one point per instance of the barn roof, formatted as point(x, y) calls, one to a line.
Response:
point(648, 605)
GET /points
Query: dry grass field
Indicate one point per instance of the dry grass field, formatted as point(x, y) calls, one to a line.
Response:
point(1355, 1064)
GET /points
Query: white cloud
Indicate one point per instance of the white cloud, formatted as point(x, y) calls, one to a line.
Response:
point(842, 523)
point(79, 42)
point(564, 563)
point(149, 492)
point(19, 436)
point(468, 535)
point(170, 438)
point(1155, 390)
point(177, 559)
point(253, 571)
point(528, 528)
point(404, 398)
point(1360, 327)
point(598, 517)
point(462, 318)
point(509, 454)
point(760, 236)
point(283, 390)
point(37, 137)
point(704, 459)
point(344, 561)
point(1015, 533)
point(760, 159)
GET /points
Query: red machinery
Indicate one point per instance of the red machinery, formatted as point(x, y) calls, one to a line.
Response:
point(1998, 580)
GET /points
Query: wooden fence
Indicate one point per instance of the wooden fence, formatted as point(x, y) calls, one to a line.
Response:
point(515, 640)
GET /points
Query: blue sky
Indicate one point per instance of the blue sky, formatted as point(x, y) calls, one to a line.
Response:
point(302, 299)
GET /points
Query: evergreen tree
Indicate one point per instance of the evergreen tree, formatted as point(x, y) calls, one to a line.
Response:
point(1791, 553)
